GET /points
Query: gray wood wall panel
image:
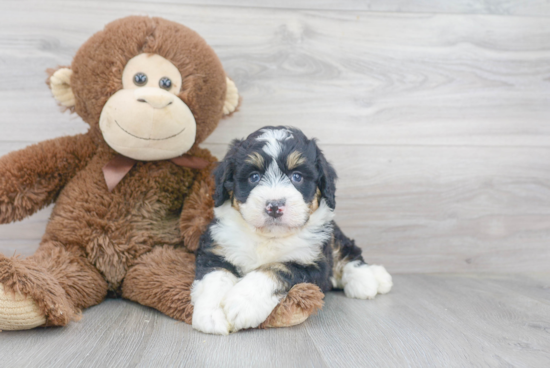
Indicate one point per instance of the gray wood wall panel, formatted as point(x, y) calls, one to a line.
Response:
point(501, 7)
point(437, 123)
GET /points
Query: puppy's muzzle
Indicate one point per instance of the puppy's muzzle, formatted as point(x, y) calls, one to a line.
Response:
point(276, 208)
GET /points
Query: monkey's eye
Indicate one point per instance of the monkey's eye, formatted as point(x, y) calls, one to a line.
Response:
point(296, 177)
point(165, 83)
point(140, 79)
point(254, 178)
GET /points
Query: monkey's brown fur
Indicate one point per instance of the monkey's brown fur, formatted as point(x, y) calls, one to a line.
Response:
point(136, 241)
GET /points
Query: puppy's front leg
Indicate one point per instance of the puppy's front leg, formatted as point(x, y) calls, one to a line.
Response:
point(253, 298)
point(206, 296)
point(214, 277)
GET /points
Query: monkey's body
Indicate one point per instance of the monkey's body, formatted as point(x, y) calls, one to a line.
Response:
point(99, 241)
point(115, 228)
point(136, 240)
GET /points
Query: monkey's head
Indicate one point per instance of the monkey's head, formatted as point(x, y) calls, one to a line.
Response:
point(152, 88)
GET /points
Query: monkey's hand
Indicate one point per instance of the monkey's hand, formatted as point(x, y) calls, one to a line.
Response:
point(31, 178)
point(198, 208)
point(198, 211)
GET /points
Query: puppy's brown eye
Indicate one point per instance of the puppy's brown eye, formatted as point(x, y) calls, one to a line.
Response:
point(140, 79)
point(165, 83)
point(297, 177)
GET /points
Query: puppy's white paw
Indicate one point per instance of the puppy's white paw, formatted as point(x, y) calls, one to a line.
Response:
point(359, 281)
point(383, 278)
point(362, 281)
point(211, 321)
point(250, 301)
point(206, 295)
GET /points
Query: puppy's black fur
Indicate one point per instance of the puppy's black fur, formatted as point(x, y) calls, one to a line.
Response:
point(233, 184)
point(232, 173)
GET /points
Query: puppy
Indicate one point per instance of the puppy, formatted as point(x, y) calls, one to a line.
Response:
point(273, 228)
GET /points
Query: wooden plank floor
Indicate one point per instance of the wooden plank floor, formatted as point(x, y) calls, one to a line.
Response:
point(426, 321)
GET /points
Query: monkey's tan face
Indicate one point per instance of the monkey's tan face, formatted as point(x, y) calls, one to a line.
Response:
point(146, 120)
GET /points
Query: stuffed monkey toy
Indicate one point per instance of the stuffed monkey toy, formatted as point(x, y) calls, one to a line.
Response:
point(132, 195)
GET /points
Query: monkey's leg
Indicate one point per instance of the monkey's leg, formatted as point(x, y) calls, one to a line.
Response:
point(302, 301)
point(162, 279)
point(50, 288)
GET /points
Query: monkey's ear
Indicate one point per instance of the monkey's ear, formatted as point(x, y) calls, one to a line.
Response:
point(60, 84)
point(231, 97)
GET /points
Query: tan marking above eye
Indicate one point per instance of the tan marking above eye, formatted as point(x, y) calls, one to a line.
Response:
point(294, 160)
point(255, 159)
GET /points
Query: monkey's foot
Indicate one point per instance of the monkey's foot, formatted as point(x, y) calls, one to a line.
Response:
point(301, 301)
point(19, 312)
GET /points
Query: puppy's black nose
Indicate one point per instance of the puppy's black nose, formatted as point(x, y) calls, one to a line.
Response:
point(275, 208)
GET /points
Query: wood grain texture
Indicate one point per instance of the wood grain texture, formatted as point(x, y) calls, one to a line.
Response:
point(423, 209)
point(445, 209)
point(407, 79)
point(426, 321)
point(502, 7)
point(436, 123)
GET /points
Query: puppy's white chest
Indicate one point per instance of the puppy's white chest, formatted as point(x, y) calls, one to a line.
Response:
point(272, 251)
point(266, 252)
point(249, 254)
point(248, 249)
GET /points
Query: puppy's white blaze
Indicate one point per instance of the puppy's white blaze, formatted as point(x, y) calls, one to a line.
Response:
point(250, 301)
point(362, 281)
point(272, 137)
point(248, 247)
point(274, 177)
point(206, 296)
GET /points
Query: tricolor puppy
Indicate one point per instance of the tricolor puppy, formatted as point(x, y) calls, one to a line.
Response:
point(274, 228)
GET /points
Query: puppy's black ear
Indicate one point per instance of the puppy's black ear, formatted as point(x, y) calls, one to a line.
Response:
point(327, 179)
point(223, 175)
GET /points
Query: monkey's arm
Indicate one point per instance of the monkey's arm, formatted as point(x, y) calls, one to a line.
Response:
point(31, 178)
point(198, 207)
